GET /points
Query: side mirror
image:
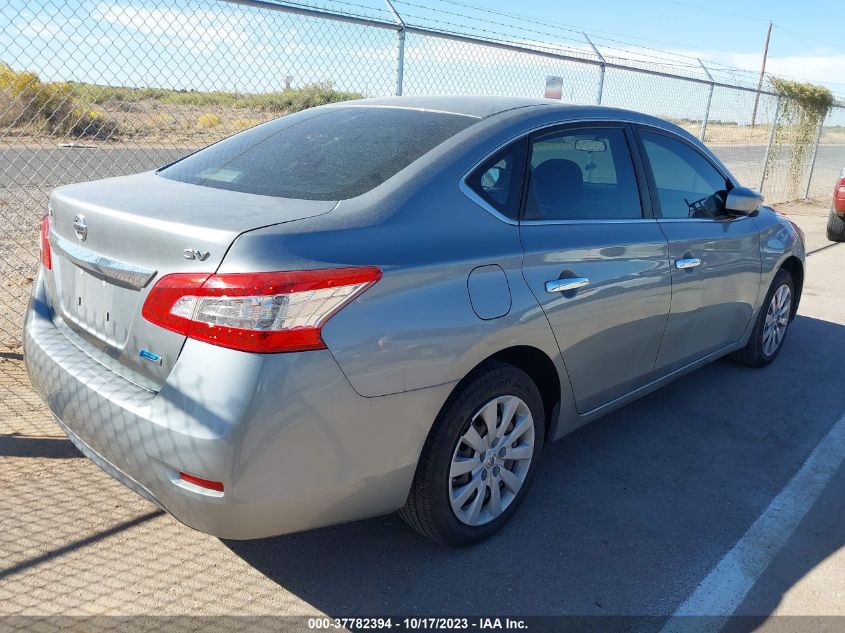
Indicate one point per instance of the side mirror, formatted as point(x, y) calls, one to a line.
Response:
point(743, 201)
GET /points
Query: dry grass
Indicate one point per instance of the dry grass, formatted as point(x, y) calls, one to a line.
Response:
point(725, 133)
point(32, 111)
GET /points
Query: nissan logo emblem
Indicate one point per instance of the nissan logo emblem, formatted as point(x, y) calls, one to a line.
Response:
point(80, 228)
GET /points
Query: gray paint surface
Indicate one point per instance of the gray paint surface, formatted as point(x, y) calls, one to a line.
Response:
point(300, 439)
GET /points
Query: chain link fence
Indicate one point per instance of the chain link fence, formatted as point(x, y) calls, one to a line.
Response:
point(96, 89)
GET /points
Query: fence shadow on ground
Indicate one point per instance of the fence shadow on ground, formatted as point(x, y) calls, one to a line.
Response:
point(631, 510)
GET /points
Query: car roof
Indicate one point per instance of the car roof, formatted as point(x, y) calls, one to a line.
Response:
point(487, 107)
point(481, 107)
point(474, 106)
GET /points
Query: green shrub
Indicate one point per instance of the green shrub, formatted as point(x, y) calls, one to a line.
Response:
point(803, 108)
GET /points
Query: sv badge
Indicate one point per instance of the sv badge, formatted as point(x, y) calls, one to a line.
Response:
point(192, 253)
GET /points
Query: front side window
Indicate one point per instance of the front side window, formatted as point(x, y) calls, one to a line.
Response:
point(688, 185)
point(583, 174)
point(322, 154)
point(498, 181)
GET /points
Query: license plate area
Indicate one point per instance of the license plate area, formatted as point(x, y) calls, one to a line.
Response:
point(99, 308)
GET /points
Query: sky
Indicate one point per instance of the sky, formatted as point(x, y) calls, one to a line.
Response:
point(214, 45)
point(806, 39)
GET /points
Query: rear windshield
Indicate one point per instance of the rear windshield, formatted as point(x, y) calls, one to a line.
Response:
point(325, 154)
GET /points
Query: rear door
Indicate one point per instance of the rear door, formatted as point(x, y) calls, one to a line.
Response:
point(715, 256)
point(595, 258)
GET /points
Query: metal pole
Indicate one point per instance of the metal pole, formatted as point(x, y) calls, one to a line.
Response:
point(400, 47)
point(813, 162)
point(400, 62)
point(602, 67)
point(709, 101)
point(762, 74)
point(769, 146)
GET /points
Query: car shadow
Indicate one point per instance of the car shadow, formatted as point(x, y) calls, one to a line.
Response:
point(17, 445)
point(626, 517)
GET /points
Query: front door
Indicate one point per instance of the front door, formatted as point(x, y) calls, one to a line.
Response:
point(596, 263)
point(714, 256)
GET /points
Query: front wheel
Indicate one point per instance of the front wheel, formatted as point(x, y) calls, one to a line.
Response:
point(479, 459)
point(772, 324)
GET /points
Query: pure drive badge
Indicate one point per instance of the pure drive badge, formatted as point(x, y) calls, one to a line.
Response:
point(153, 358)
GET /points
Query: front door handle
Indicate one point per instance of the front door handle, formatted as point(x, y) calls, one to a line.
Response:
point(563, 285)
point(687, 262)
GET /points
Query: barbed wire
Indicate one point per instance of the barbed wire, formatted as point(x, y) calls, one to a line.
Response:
point(611, 44)
point(659, 59)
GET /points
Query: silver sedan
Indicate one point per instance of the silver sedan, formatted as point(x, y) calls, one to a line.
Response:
point(393, 304)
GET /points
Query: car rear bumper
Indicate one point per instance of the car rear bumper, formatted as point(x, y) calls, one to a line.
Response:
point(294, 445)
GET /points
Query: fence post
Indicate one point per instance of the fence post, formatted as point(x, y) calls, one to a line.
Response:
point(769, 145)
point(400, 47)
point(709, 101)
point(813, 161)
point(601, 68)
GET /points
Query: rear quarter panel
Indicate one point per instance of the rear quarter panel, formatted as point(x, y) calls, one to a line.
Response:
point(416, 327)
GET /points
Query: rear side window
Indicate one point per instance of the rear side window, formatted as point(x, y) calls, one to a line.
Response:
point(498, 181)
point(584, 174)
point(325, 154)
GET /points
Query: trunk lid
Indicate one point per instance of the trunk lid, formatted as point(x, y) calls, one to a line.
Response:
point(111, 240)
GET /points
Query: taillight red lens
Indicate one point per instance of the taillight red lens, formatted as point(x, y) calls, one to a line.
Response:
point(46, 255)
point(256, 312)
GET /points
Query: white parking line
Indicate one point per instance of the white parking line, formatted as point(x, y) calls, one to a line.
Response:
point(725, 587)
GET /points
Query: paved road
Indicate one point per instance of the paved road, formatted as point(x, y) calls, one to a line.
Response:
point(64, 165)
point(627, 516)
point(57, 166)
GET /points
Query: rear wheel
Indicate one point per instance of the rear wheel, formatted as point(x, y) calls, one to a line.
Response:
point(772, 324)
point(479, 459)
point(835, 227)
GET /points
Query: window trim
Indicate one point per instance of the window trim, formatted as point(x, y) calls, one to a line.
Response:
point(520, 154)
point(634, 125)
point(637, 128)
point(470, 193)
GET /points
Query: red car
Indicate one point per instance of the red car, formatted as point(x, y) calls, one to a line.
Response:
point(836, 221)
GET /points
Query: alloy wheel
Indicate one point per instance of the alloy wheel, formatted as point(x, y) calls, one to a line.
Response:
point(491, 460)
point(777, 320)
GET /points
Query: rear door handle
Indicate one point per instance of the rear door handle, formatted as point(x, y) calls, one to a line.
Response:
point(563, 285)
point(687, 262)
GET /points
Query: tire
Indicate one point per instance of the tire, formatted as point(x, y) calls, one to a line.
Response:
point(759, 351)
point(835, 227)
point(435, 500)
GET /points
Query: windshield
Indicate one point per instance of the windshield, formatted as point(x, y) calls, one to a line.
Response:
point(325, 154)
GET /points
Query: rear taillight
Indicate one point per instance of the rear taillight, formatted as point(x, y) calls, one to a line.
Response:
point(256, 312)
point(839, 194)
point(46, 255)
